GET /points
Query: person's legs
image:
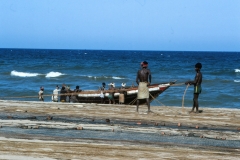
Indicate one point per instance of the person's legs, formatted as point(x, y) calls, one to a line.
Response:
point(137, 105)
point(195, 102)
point(196, 95)
point(113, 100)
point(193, 107)
point(148, 104)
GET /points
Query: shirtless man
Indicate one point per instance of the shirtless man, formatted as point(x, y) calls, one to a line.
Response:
point(197, 86)
point(143, 79)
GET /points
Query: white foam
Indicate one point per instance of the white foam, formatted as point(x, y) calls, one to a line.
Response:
point(54, 74)
point(96, 77)
point(117, 78)
point(237, 70)
point(236, 80)
point(23, 74)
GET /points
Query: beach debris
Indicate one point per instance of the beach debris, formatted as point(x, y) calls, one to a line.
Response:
point(79, 128)
point(139, 123)
point(108, 120)
point(24, 127)
point(49, 118)
point(35, 127)
point(9, 117)
point(155, 124)
point(179, 124)
point(197, 127)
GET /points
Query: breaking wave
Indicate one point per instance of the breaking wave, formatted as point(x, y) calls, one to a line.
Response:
point(236, 80)
point(118, 78)
point(237, 70)
point(23, 74)
point(54, 74)
point(103, 77)
point(27, 74)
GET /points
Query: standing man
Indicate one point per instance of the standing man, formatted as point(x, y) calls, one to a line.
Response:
point(197, 86)
point(55, 94)
point(40, 94)
point(143, 79)
point(111, 93)
point(102, 89)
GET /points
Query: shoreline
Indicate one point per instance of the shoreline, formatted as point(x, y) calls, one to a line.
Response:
point(51, 130)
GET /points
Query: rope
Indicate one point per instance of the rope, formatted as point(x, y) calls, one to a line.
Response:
point(133, 101)
point(178, 84)
point(183, 110)
point(162, 103)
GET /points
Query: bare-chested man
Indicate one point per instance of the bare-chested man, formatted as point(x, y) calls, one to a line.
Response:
point(197, 86)
point(143, 79)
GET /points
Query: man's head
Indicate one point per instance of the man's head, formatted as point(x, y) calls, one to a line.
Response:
point(144, 64)
point(198, 65)
point(77, 87)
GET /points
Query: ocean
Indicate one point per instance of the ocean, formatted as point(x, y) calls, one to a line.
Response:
point(24, 71)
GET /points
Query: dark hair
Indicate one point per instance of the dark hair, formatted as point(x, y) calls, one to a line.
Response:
point(77, 87)
point(145, 62)
point(198, 65)
point(104, 83)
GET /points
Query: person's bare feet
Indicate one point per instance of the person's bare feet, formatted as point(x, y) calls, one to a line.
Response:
point(191, 111)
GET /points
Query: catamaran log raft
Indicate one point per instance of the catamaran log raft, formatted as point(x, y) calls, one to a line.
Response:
point(128, 94)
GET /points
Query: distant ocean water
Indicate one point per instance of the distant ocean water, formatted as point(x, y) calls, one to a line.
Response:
point(24, 71)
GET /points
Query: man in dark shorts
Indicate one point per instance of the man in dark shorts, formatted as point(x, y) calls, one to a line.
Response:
point(197, 86)
point(143, 79)
point(111, 94)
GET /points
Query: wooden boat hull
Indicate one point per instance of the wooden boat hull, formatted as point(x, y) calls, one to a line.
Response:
point(130, 94)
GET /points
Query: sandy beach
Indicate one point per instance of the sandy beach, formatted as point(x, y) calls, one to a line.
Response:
point(47, 130)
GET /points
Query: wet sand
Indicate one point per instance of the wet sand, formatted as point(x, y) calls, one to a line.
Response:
point(47, 130)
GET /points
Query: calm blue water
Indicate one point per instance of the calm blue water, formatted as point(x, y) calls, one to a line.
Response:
point(23, 71)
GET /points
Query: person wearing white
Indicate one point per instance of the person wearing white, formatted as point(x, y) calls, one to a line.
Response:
point(55, 94)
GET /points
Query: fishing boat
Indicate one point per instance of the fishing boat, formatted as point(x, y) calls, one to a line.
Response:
point(126, 95)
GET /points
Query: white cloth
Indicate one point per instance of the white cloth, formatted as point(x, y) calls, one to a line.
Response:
point(143, 91)
point(55, 95)
point(40, 94)
point(101, 95)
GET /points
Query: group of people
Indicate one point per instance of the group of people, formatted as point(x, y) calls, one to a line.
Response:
point(144, 79)
point(62, 95)
point(111, 91)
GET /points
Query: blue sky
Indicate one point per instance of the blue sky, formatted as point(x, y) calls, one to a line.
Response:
point(163, 25)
